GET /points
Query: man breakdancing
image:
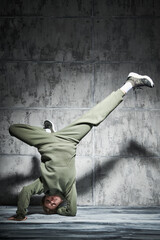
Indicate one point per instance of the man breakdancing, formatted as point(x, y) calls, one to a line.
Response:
point(58, 151)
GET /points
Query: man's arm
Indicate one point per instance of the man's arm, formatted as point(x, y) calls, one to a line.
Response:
point(71, 198)
point(24, 199)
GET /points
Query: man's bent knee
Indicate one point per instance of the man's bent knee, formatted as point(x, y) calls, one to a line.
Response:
point(12, 129)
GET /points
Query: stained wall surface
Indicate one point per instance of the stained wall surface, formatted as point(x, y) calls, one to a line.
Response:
point(58, 58)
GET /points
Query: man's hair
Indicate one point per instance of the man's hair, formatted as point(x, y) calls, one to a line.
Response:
point(47, 210)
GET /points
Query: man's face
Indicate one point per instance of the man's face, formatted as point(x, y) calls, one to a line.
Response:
point(52, 202)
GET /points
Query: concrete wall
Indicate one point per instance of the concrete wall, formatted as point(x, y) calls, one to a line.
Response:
point(58, 58)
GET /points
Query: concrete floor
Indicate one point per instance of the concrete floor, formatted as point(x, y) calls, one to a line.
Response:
point(90, 223)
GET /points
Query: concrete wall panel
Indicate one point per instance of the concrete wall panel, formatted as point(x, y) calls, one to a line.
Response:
point(126, 8)
point(13, 175)
point(56, 8)
point(128, 132)
point(45, 39)
point(132, 40)
point(45, 85)
point(131, 180)
point(84, 169)
point(115, 133)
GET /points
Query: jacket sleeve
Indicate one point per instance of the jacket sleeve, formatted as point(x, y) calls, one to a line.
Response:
point(71, 199)
point(24, 197)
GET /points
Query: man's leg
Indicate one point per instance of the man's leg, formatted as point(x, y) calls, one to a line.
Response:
point(78, 129)
point(29, 134)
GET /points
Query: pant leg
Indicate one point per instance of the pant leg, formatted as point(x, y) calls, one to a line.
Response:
point(31, 135)
point(78, 129)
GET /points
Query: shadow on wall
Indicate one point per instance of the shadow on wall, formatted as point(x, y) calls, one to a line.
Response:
point(9, 184)
point(132, 149)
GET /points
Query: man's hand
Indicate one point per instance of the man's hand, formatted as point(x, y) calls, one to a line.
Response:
point(16, 218)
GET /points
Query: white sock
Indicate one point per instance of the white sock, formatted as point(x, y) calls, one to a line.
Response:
point(48, 130)
point(126, 87)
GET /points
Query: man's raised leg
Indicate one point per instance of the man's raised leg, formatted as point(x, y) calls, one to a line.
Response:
point(78, 129)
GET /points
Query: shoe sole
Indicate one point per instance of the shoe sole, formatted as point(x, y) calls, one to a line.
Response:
point(136, 75)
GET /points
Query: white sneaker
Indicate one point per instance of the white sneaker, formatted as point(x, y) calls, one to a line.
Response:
point(49, 126)
point(138, 80)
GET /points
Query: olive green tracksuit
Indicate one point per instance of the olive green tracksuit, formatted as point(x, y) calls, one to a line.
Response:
point(58, 151)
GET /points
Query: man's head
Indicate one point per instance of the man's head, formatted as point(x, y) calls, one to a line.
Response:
point(51, 203)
